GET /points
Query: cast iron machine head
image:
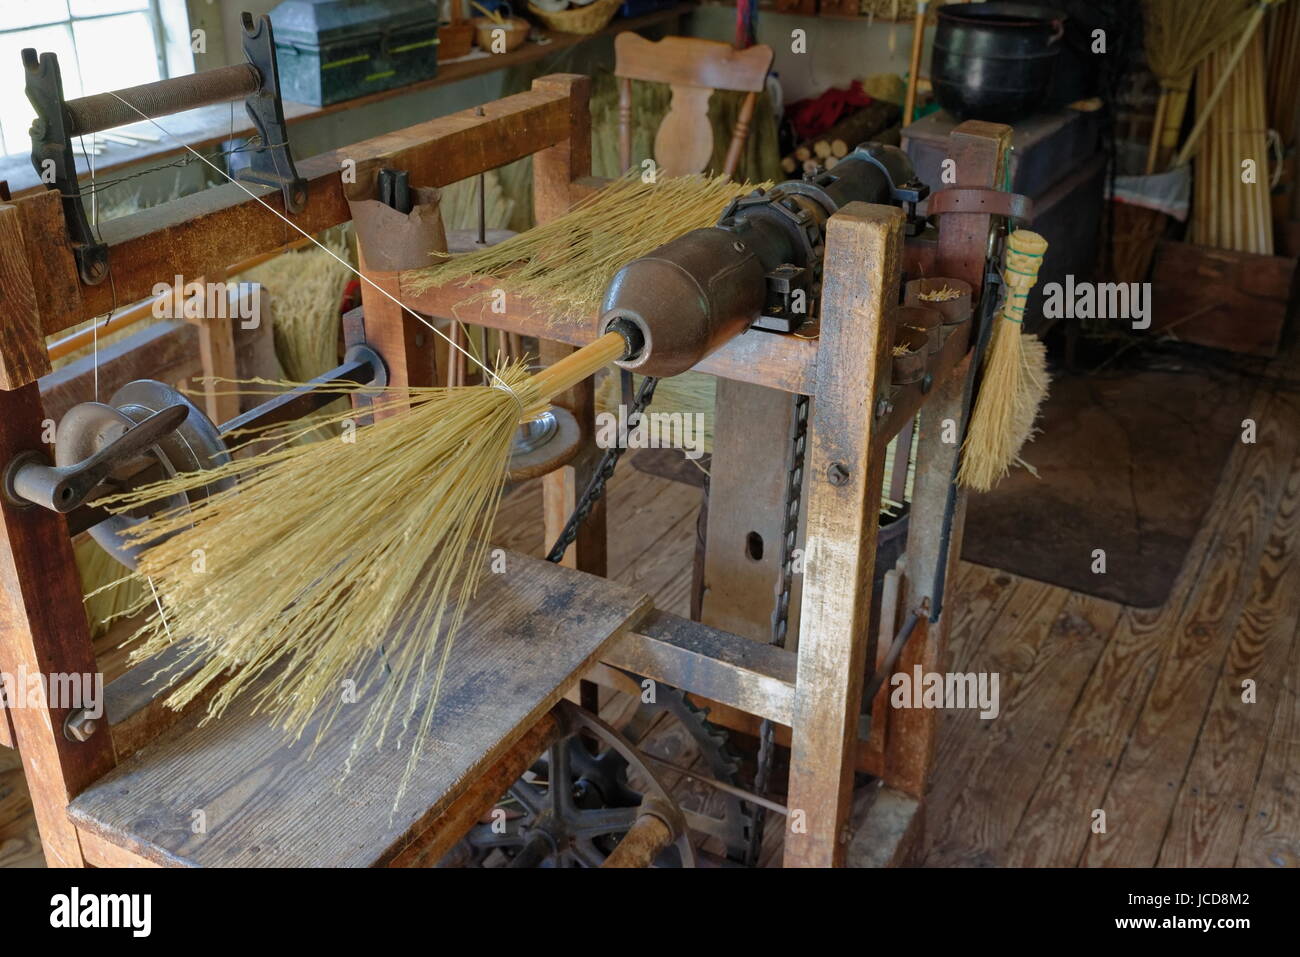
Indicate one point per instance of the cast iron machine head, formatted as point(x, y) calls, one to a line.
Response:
point(761, 266)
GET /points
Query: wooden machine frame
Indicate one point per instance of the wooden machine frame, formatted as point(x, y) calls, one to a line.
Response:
point(815, 691)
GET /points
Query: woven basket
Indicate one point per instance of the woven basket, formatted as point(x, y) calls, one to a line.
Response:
point(581, 20)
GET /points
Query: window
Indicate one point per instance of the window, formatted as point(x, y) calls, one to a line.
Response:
point(101, 45)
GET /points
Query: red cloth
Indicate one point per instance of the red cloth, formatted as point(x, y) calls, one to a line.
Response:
point(817, 115)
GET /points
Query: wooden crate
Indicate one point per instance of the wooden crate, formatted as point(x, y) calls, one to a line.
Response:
point(1220, 298)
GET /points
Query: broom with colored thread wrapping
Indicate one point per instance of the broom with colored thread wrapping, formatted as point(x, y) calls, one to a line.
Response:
point(1014, 378)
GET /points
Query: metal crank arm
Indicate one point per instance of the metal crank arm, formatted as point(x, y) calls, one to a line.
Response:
point(31, 480)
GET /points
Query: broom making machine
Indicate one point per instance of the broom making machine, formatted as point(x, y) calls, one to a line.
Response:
point(794, 294)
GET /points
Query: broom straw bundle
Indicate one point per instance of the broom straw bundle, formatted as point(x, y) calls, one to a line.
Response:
point(565, 265)
point(340, 560)
point(1178, 35)
point(1014, 381)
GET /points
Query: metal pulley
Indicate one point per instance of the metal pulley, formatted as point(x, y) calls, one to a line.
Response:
point(148, 432)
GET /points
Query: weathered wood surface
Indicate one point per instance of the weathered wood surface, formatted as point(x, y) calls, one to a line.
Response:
point(779, 361)
point(167, 351)
point(1156, 674)
point(752, 676)
point(1042, 653)
point(22, 347)
point(843, 519)
point(210, 229)
point(747, 499)
point(530, 632)
point(1212, 809)
point(43, 631)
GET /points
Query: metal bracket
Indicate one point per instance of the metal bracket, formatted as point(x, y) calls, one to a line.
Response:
point(52, 157)
point(271, 165)
point(59, 121)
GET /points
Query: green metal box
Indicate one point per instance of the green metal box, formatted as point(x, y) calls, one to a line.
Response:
point(334, 50)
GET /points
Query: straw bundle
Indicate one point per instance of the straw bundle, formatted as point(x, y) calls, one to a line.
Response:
point(1178, 35)
point(306, 289)
point(1230, 214)
point(565, 265)
point(1014, 377)
point(325, 552)
point(458, 203)
point(109, 593)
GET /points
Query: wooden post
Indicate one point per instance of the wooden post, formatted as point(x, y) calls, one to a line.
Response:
point(43, 631)
point(978, 152)
point(217, 355)
point(747, 495)
point(845, 472)
point(394, 332)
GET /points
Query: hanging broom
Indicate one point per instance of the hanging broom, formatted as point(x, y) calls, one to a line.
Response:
point(325, 553)
point(1014, 379)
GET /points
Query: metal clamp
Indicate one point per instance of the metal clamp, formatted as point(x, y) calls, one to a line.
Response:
point(59, 121)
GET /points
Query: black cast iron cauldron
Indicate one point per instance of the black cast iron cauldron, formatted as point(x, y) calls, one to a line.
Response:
point(994, 61)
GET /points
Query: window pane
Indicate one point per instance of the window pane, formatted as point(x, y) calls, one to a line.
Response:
point(15, 14)
point(95, 8)
point(116, 52)
point(16, 113)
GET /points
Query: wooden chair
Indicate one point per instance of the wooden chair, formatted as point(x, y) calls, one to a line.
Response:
point(694, 69)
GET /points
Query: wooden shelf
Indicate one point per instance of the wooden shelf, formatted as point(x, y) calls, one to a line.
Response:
point(211, 124)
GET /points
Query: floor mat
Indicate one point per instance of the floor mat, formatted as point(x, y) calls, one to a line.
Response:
point(1127, 463)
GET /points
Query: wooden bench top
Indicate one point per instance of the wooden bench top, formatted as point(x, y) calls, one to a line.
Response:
point(531, 632)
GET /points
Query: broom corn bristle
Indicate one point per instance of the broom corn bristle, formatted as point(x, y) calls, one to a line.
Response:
point(1014, 381)
point(564, 266)
point(340, 560)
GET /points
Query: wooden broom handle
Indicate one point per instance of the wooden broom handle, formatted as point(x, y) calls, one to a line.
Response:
point(1204, 109)
point(1024, 257)
point(918, 41)
point(579, 364)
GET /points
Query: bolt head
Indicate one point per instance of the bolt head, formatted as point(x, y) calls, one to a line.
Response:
point(837, 474)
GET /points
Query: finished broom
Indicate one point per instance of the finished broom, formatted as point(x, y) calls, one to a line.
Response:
point(1014, 381)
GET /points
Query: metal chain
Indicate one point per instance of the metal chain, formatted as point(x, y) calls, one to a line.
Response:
point(596, 487)
point(781, 612)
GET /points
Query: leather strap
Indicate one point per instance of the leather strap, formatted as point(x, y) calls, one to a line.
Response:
point(971, 199)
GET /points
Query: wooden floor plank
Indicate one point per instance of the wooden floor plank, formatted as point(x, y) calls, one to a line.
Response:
point(1271, 837)
point(1057, 824)
point(968, 830)
point(984, 593)
point(1211, 809)
point(1139, 801)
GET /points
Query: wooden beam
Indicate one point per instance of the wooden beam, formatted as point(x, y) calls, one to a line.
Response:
point(745, 674)
point(23, 358)
point(43, 632)
point(845, 472)
point(781, 362)
point(206, 231)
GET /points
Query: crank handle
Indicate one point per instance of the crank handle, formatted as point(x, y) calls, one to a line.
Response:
point(30, 479)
